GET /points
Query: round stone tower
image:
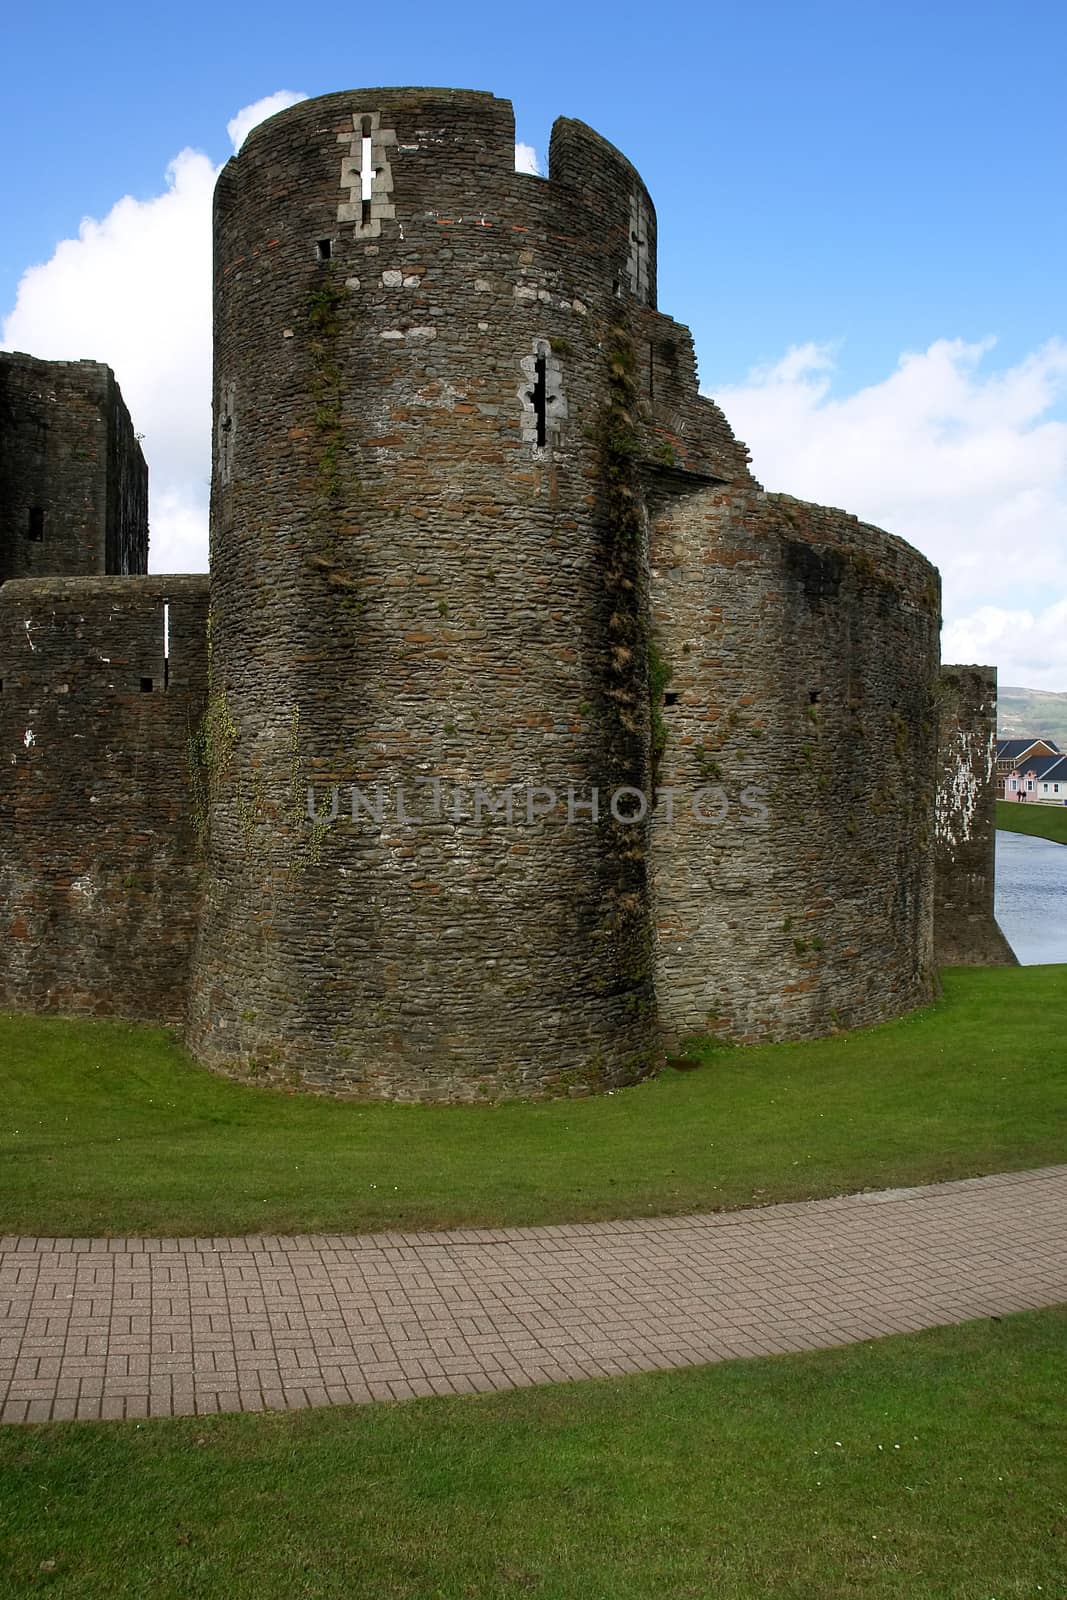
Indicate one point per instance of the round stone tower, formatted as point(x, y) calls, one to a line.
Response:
point(429, 586)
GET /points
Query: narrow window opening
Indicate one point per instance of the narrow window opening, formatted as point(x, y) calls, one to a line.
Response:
point(616, 288)
point(538, 396)
point(651, 371)
point(324, 249)
point(671, 697)
point(166, 644)
point(366, 170)
point(814, 696)
point(35, 528)
point(146, 685)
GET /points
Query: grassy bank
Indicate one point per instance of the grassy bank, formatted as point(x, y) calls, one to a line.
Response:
point(1043, 822)
point(921, 1468)
point(111, 1129)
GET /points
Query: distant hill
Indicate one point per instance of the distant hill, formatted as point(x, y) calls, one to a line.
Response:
point(1032, 712)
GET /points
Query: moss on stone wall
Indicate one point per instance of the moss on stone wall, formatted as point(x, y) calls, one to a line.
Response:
point(324, 326)
point(335, 487)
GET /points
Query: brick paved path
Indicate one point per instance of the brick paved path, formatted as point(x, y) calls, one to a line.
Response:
point(156, 1327)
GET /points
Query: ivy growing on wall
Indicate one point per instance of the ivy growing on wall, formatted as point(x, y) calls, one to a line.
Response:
point(634, 670)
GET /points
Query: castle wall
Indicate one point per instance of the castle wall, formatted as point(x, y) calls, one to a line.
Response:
point(99, 873)
point(802, 649)
point(126, 540)
point(679, 434)
point(73, 480)
point(409, 583)
point(480, 552)
point(965, 928)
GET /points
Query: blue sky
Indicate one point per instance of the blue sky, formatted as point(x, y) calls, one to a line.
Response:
point(879, 174)
point(854, 181)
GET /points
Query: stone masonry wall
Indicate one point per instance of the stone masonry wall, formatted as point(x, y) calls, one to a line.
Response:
point(474, 534)
point(100, 871)
point(802, 650)
point(73, 480)
point(447, 410)
point(414, 576)
point(127, 491)
point(965, 928)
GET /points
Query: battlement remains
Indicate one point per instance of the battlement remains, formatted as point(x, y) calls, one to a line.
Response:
point(73, 479)
point(967, 933)
point(476, 536)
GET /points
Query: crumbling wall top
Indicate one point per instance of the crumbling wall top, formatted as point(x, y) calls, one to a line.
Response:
point(407, 153)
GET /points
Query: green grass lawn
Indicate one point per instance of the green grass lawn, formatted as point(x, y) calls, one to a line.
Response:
point(927, 1467)
point(111, 1129)
point(1045, 822)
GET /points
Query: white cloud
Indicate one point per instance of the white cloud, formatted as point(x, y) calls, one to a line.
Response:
point(966, 463)
point(179, 525)
point(240, 126)
point(526, 160)
point(134, 290)
point(1029, 645)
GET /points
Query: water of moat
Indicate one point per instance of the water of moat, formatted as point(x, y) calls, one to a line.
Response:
point(1031, 897)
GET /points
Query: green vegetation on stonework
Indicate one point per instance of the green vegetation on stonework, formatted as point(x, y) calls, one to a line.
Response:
point(324, 326)
point(1043, 822)
point(626, 669)
point(210, 751)
point(110, 1128)
point(926, 1467)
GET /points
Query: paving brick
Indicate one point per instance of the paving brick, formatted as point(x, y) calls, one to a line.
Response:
point(558, 1304)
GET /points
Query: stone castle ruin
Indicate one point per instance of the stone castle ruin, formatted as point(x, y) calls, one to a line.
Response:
point(73, 480)
point(473, 531)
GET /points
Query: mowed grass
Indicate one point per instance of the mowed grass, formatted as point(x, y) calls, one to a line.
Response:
point(1043, 822)
point(111, 1129)
point(927, 1467)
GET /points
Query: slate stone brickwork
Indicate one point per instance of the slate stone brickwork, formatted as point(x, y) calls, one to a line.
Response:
point(474, 531)
point(967, 934)
point(73, 480)
point(413, 577)
point(802, 648)
point(100, 872)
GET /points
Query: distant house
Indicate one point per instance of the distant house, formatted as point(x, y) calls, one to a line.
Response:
point(1042, 779)
point(1052, 784)
point(1012, 754)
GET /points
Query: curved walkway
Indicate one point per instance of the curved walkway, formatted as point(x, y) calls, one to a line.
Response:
point(163, 1327)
